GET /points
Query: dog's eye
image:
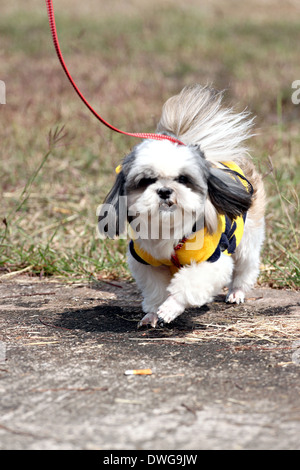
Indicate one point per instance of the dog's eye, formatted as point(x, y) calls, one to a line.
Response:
point(183, 179)
point(145, 182)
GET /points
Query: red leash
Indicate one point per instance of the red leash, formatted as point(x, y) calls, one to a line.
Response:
point(51, 17)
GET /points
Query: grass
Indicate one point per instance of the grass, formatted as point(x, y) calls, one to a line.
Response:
point(57, 161)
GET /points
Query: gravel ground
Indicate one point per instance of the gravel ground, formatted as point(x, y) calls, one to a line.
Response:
point(224, 376)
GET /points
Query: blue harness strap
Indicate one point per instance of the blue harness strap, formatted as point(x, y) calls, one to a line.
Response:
point(135, 255)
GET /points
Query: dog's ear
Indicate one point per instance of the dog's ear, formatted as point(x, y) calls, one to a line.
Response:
point(112, 216)
point(226, 192)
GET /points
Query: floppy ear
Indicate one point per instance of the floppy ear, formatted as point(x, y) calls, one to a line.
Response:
point(112, 216)
point(227, 193)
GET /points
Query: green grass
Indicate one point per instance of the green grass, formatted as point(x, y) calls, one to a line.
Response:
point(57, 161)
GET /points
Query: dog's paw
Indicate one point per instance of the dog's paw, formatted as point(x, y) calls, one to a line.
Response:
point(169, 310)
point(236, 296)
point(149, 319)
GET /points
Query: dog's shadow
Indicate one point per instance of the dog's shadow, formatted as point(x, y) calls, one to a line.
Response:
point(115, 319)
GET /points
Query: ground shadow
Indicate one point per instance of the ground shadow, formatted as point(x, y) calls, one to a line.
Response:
point(113, 318)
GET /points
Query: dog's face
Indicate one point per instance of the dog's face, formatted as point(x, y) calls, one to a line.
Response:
point(176, 184)
point(167, 184)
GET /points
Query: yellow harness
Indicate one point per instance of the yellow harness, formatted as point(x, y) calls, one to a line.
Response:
point(202, 245)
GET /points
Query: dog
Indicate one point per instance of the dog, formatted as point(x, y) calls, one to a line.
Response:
point(195, 212)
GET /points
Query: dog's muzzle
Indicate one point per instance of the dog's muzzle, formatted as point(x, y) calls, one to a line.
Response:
point(166, 204)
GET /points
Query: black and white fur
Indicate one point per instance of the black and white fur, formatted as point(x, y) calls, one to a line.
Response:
point(172, 180)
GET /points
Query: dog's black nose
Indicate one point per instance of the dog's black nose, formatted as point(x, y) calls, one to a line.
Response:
point(164, 192)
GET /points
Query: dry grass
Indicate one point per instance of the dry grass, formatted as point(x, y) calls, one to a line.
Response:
point(128, 58)
point(261, 331)
point(239, 328)
point(272, 330)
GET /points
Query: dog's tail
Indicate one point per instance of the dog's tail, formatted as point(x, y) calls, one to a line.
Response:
point(196, 116)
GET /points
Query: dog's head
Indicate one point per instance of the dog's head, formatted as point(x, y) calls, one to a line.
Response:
point(175, 185)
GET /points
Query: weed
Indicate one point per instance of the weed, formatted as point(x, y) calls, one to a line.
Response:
point(128, 58)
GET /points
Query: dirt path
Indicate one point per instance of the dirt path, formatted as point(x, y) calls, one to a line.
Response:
point(224, 377)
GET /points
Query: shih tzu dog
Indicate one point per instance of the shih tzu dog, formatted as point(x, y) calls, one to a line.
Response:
point(194, 209)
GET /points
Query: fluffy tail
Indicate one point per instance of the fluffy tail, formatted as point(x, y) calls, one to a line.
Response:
point(196, 116)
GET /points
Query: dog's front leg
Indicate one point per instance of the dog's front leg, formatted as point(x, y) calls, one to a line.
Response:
point(153, 283)
point(195, 285)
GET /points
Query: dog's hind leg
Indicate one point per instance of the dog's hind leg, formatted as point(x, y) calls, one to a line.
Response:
point(246, 261)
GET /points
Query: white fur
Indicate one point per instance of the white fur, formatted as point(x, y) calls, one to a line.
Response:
point(246, 261)
point(195, 116)
point(167, 161)
point(194, 285)
point(166, 297)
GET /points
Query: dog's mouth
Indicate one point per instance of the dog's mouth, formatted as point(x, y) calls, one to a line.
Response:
point(167, 206)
